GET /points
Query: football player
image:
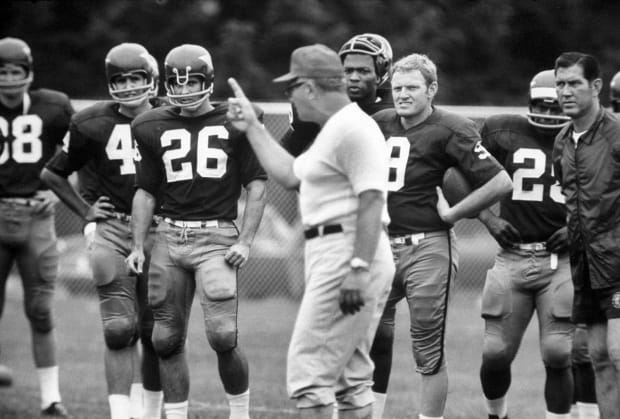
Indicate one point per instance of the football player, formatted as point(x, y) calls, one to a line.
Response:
point(197, 162)
point(614, 93)
point(367, 60)
point(101, 148)
point(423, 142)
point(33, 124)
point(531, 272)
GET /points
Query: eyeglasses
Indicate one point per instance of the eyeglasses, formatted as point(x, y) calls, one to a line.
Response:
point(288, 90)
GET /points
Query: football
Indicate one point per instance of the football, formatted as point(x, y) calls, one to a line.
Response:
point(455, 186)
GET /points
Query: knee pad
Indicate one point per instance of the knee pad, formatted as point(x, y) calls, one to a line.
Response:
point(119, 333)
point(556, 351)
point(167, 342)
point(222, 334)
point(495, 352)
point(39, 312)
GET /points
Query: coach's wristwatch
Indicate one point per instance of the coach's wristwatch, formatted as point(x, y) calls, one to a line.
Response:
point(359, 263)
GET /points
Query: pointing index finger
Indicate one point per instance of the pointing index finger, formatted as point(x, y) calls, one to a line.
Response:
point(236, 88)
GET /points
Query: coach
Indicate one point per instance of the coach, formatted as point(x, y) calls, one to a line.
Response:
point(342, 181)
point(586, 159)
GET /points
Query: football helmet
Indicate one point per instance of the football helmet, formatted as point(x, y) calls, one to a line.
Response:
point(542, 91)
point(183, 62)
point(15, 51)
point(126, 59)
point(374, 45)
point(155, 71)
point(614, 92)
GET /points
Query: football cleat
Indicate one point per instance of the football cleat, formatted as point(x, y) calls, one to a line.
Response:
point(55, 410)
point(6, 376)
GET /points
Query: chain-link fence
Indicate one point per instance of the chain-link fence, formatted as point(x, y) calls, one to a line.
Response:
point(275, 268)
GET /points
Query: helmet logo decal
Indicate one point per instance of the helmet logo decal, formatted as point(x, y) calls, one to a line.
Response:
point(182, 80)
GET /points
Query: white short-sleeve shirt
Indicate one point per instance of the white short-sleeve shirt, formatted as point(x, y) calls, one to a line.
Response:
point(349, 156)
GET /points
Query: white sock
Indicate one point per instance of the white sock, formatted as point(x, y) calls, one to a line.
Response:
point(549, 415)
point(153, 401)
point(119, 406)
point(48, 381)
point(588, 410)
point(574, 411)
point(379, 405)
point(498, 407)
point(239, 405)
point(335, 412)
point(429, 417)
point(176, 410)
point(135, 400)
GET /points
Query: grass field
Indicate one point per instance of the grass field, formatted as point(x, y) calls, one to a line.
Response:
point(265, 329)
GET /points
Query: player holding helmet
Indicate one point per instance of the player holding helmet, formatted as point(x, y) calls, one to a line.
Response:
point(196, 160)
point(100, 147)
point(32, 125)
point(531, 271)
point(367, 61)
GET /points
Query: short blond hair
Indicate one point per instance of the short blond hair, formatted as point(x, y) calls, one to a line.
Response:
point(420, 62)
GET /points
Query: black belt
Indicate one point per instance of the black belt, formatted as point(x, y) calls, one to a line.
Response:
point(322, 230)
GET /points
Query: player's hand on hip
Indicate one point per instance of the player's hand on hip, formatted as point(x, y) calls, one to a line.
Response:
point(135, 262)
point(443, 207)
point(558, 242)
point(505, 234)
point(240, 111)
point(352, 291)
point(237, 255)
point(101, 209)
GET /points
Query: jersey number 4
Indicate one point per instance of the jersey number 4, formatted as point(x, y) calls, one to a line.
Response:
point(27, 146)
point(210, 162)
point(536, 191)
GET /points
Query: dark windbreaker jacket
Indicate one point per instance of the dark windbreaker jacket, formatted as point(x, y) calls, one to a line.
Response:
point(590, 179)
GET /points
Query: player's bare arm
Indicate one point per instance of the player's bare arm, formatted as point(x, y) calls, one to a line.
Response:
point(368, 229)
point(485, 196)
point(142, 209)
point(276, 161)
point(506, 235)
point(239, 252)
point(61, 186)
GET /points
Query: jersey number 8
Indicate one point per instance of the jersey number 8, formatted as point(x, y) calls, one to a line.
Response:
point(27, 146)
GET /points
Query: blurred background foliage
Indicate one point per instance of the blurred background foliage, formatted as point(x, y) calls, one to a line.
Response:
point(486, 51)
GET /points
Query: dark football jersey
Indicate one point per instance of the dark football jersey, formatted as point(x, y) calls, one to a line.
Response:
point(302, 133)
point(196, 165)
point(536, 207)
point(101, 148)
point(419, 157)
point(31, 134)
